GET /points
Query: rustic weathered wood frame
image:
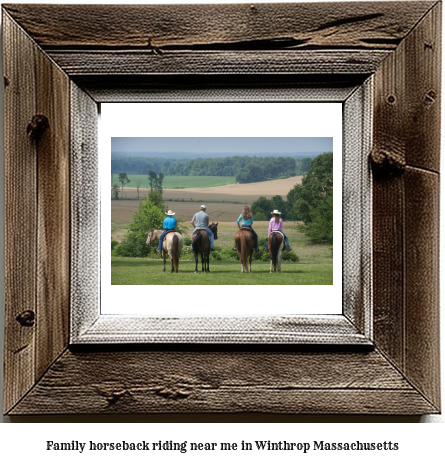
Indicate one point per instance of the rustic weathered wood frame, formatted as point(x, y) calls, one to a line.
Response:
point(82, 55)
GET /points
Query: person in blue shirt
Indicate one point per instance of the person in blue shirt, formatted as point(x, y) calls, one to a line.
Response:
point(246, 220)
point(169, 225)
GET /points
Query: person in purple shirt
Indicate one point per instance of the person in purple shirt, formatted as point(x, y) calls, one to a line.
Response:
point(169, 225)
point(276, 224)
point(246, 220)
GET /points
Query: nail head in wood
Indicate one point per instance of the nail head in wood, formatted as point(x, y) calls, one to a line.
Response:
point(430, 97)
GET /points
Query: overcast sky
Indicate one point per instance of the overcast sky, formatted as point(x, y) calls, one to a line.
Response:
point(222, 144)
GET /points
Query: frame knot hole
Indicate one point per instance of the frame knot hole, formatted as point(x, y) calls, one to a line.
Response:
point(37, 126)
point(387, 162)
point(26, 318)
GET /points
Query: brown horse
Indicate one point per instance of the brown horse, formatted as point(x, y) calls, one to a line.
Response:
point(275, 243)
point(201, 246)
point(244, 245)
point(171, 246)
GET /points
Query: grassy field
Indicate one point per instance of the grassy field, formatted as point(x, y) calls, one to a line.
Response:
point(134, 271)
point(176, 182)
point(314, 267)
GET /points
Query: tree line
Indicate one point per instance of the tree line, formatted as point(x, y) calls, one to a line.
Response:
point(310, 202)
point(142, 165)
point(246, 169)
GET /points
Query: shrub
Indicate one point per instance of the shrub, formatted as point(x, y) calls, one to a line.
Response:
point(290, 257)
point(113, 244)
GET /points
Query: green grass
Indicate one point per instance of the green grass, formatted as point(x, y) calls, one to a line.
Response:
point(138, 271)
point(176, 182)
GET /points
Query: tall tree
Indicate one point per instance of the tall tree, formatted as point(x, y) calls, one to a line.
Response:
point(138, 186)
point(123, 179)
point(152, 179)
point(313, 200)
point(159, 182)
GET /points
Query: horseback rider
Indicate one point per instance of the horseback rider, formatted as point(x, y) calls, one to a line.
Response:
point(246, 220)
point(276, 224)
point(201, 220)
point(169, 225)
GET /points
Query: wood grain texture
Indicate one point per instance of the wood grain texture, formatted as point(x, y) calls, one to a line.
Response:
point(53, 197)
point(422, 281)
point(423, 91)
point(85, 211)
point(406, 241)
point(388, 268)
point(153, 27)
point(407, 114)
point(79, 63)
point(109, 329)
point(223, 382)
point(20, 212)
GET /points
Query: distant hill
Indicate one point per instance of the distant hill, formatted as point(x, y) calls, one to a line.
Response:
point(193, 155)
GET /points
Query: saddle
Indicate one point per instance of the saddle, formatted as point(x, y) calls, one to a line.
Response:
point(246, 229)
point(166, 234)
point(279, 232)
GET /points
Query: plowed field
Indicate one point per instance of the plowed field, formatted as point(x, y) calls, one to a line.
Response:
point(245, 193)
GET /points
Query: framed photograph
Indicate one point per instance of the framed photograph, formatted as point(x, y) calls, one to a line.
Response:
point(80, 339)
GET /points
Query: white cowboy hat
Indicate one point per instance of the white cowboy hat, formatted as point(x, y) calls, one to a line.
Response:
point(170, 213)
point(275, 212)
point(203, 207)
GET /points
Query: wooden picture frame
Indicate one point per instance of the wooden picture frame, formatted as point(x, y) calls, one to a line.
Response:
point(59, 68)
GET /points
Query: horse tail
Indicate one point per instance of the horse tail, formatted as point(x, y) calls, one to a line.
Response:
point(243, 246)
point(274, 249)
point(175, 251)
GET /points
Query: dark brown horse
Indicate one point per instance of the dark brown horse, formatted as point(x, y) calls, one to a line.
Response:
point(244, 245)
point(201, 246)
point(275, 244)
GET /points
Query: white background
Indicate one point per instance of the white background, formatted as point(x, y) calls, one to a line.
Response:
point(220, 120)
point(25, 443)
